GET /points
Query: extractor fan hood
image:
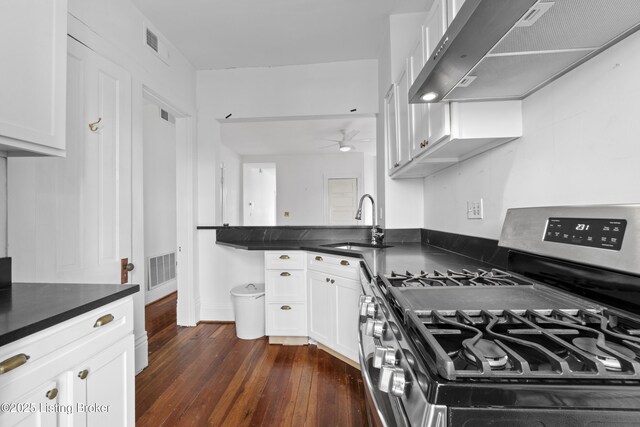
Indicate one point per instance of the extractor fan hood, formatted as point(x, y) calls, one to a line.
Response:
point(508, 49)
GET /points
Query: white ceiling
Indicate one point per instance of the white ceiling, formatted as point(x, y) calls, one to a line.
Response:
point(216, 34)
point(297, 136)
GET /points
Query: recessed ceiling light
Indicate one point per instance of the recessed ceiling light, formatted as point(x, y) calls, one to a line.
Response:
point(345, 148)
point(429, 96)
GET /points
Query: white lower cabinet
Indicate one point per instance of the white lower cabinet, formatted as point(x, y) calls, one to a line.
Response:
point(285, 294)
point(102, 393)
point(77, 373)
point(333, 305)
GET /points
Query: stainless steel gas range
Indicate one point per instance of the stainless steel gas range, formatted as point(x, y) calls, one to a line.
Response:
point(553, 339)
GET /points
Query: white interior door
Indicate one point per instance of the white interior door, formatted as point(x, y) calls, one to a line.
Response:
point(70, 218)
point(342, 197)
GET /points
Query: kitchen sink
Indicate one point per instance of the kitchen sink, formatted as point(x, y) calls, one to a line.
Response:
point(354, 246)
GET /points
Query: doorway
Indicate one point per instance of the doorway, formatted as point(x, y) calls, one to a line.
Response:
point(159, 204)
point(259, 194)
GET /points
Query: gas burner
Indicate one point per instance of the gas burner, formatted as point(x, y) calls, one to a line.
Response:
point(491, 351)
point(589, 345)
point(465, 277)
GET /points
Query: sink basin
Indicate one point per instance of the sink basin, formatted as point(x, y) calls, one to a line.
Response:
point(354, 246)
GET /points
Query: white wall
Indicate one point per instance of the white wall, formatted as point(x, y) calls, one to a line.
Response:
point(232, 186)
point(160, 231)
point(580, 146)
point(301, 182)
point(289, 91)
point(400, 201)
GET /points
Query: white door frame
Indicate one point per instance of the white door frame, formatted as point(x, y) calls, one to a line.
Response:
point(186, 177)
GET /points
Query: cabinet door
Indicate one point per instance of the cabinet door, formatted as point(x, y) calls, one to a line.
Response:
point(321, 307)
point(439, 121)
point(391, 129)
point(104, 387)
point(419, 112)
point(454, 8)
point(347, 295)
point(33, 42)
point(37, 408)
point(404, 118)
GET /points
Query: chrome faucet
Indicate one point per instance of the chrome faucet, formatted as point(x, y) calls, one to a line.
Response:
point(377, 235)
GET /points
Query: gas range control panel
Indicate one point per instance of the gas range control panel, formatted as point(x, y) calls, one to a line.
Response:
point(591, 232)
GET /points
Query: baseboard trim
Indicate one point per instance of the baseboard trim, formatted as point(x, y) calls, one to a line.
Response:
point(288, 340)
point(216, 313)
point(141, 352)
point(337, 355)
point(216, 322)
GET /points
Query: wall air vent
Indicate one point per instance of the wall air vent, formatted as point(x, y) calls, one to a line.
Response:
point(167, 117)
point(162, 269)
point(154, 41)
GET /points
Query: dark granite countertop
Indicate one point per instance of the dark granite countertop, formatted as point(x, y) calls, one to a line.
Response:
point(399, 257)
point(27, 308)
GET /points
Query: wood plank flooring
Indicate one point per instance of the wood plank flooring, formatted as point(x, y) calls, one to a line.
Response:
point(207, 376)
point(160, 314)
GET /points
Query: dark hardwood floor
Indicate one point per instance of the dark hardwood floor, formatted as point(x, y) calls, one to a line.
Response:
point(207, 376)
point(160, 314)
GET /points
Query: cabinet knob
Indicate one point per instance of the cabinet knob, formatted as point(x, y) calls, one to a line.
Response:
point(52, 394)
point(327, 279)
point(333, 281)
point(13, 362)
point(424, 143)
point(107, 318)
point(285, 274)
point(318, 258)
point(284, 256)
point(344, 262)
point(83, 374)
point(285, 307)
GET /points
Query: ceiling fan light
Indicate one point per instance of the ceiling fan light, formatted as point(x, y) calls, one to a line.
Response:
point(345, 148)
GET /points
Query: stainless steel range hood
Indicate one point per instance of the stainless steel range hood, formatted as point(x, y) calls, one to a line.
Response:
point(508, 49)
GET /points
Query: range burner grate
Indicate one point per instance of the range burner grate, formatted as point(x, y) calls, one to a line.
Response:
point(465, 277)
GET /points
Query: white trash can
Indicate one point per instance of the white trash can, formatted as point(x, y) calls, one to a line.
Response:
point(248, 308)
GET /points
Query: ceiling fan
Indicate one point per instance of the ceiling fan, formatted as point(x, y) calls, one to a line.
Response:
point(344, 144)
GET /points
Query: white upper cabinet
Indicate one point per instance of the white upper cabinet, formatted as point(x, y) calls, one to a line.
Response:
point(444, 133)
point(453, 8)
point(391, 128)
point(33, 45)
point(439, 119)
point(404, 118)
point(419, 112)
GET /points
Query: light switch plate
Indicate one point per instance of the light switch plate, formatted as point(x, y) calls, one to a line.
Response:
point(475, 209)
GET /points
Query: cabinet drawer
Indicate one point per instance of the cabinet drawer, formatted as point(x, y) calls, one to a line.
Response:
point(285, 285)
point(346, 267)
point(112, 321)
point(284, 260)
point(286, 319)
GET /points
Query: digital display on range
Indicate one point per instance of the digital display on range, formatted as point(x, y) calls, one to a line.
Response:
point(592, 232)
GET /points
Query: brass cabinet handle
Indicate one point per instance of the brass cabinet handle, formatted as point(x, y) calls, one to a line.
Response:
point(13, 362)
point(52, 394)
point(285, 274)
point(83, 374)
point(318, 258)
point(285, 307)
point(284, 256)
point(344, 262)
point(107, 318)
